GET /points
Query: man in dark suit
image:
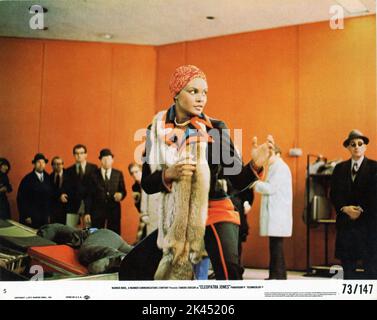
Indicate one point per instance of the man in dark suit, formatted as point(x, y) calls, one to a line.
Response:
point(57, 177)
point(353, 194)
point(5, 187)
point(108, 190)
point(76, 188)
point(134, 170)
point(34, 195)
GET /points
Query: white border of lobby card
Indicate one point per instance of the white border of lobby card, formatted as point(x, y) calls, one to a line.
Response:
point(334, 289)
point(190, 290)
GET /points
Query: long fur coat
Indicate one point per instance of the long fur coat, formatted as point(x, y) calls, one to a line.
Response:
point(183, 211)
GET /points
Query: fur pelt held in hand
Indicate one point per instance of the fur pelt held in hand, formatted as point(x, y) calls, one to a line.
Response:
point(183, 211)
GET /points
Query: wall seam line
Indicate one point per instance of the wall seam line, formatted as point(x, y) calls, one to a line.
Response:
point(41, 96)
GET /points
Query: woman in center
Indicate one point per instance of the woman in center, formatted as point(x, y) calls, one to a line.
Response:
point(187, 157)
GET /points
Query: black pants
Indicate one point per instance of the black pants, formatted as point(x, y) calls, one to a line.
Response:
point(107, 216)
point(58, 215)
point(371, 267)
point(36, 221)
point(277, 261)
point(4, 207)
point(240, 256)
point(366, 254)
point(221, 242)
point(349, 270)
point(371, 259)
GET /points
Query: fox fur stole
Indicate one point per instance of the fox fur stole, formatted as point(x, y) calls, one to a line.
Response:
point(182, 213)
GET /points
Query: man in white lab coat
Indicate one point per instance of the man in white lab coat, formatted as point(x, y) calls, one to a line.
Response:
point(276, 211)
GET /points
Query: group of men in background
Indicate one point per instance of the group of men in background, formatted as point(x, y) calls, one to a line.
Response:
point(82, 193)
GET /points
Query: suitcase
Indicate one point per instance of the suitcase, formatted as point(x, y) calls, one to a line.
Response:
point(19, 237)
point(60, 259)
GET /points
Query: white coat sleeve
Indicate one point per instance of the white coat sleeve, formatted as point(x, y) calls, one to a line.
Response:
point(271, 185)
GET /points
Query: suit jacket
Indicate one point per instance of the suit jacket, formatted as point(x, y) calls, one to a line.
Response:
point(4, 203)
point(57, 191)
point(353, 236)
point(34, 199)
point(136, 189)
point(102, 196)
point(76, 189)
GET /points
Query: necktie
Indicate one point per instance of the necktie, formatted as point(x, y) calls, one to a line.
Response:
point(107, 185)
point(81, 172)
point(41, 177)
point(354, 171)
point(57, 181)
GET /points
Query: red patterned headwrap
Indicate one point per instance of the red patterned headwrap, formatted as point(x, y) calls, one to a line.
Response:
point(182, 76)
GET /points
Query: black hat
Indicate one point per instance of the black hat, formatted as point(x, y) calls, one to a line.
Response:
point(39, 156)
point(355, 134)
point(6, 162)
point(104, 153)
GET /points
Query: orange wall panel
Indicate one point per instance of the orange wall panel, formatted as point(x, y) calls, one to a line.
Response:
point(55, 94)
point(133, 93)
point(169, 57)
point(20, 102)
point(76, 98)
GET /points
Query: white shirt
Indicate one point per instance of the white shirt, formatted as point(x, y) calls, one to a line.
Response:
point(40, 176)
point(359, 162)
point(83, 165)
point(108, 173)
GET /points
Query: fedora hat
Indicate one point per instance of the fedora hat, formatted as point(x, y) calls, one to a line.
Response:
point(355, 134)
point(105, 153)
point(39, 156)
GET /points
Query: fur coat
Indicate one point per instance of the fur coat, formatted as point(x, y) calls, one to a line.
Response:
point(182, 213)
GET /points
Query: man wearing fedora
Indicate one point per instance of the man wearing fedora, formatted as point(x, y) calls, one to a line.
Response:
point(34, 195)
point(76, 186)
point(108, 190)
point(353, 194)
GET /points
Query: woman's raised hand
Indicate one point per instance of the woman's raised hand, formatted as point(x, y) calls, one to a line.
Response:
point(183, 168)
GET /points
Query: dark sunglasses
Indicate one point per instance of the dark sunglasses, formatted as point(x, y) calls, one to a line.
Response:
point(354, 144)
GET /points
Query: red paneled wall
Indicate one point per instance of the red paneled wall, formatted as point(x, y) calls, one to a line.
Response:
point(54, 94)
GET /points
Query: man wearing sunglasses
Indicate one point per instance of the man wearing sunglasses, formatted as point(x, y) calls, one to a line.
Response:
point(353, 194)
